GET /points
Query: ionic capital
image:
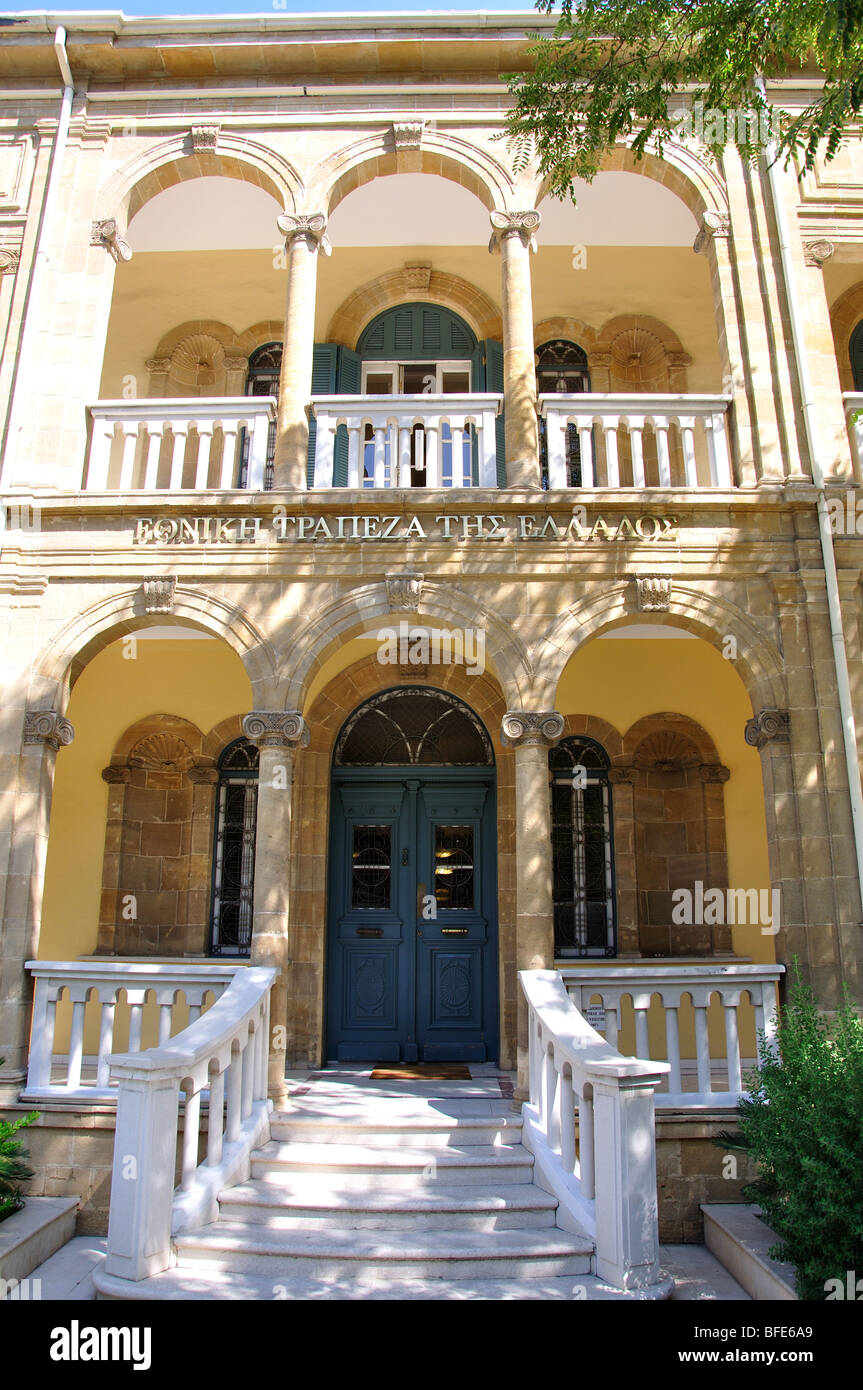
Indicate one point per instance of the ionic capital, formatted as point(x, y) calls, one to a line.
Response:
point(815, 253)
point(768, 726)
point(714, 225)
point(523, 225)
point(310, 226)
point(713, 772)
point(45, 726)
point(276, 729)
point(117, 774)
point(521, 728)
point(623, 776)
point(107, 234)
point(9, 261)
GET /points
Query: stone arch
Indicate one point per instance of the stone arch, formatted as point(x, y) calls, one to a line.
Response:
point(266, 331)
point(310, 837)
point(707, 615)
point(573, 330)
point(845, 315)
point(221, 734)
point(175, 160)
point(120, 615)
point(403, 287)
point(377, 155)
point(697, 183)
point(353, 613)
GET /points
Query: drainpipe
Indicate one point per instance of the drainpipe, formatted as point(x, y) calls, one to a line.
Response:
point(34, 292)
point(840, 655)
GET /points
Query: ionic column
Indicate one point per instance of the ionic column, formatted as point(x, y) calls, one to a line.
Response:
point(514, 237)
point(44, 733)
point(305, 236)
point(277, 734)
point(531, 735)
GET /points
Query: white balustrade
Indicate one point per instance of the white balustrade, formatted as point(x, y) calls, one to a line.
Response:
point(223, 1058)
point(676, 986)
point(854, 417)
point(615, 417)
point(603, 1175)
point(94, 990)
point(145, 426)
point(389, 437)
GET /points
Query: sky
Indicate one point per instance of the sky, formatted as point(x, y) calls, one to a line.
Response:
point(184, 7)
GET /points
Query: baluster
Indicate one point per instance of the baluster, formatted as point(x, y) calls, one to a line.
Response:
point(766, 1012)
point(556, 442)
point(325, 443)
point(567, 1122)
point(355, 454)
point(458, 468)
point(248, 1079)
point(194, 1013)
point(265, 1049)
point(42, 1034)
point(100, 455)
point(686, 425)
point(549, 1096)
point(215, 1119)
point(202, 463)
point(404, 433)
point(660, 429)
point(720, 461)
point(166, 1014)
point(586, 1154)
point(380, 456)
point(642, 1043)
point(106, 1035)
point(612, 466)
point(191, 1131)
point(178, 454)
point(136, 1018)
point(612, 1021)
point(76, 1046)
point(155, 434)
point(533, 1057)
point(432, 433)
point(732, 1043)
point(235, 1081)
point(636, 426)
point(702, 1048)
point(588, 462)
point(127, 463)
point(258, 428)
point(672, 1047)
point(228, 470)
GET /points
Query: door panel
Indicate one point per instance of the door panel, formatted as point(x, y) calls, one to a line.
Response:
point(412, 960)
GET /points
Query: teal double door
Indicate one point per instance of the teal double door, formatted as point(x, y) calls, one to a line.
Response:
point(412, 921)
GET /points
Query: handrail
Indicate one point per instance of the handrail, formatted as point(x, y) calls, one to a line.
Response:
point(604, 1173)
point(223, 1054)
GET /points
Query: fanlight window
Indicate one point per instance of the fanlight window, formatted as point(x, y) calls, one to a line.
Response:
point(234, 856)
point(413, 727)
point(582, 849)
point(561, 367)
point(265, 366)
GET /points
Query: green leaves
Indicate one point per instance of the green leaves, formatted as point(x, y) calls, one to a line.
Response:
point(13, 1168)
point(613, 71)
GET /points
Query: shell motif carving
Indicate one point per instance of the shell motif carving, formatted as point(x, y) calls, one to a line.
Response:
point(666, 750)
point(162, 753)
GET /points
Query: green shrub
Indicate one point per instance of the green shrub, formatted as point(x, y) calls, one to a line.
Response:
point(803, 1125)
point(13, 1169)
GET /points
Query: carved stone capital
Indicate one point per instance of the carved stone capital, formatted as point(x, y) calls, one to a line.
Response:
point(523, 225)
point(311, 226)
point(713, 772)
point(158, 364)
point(404, 589)
point(417, 276)
point(522, 727)
point(815, 253)
point(408, 135)
point(106, 233)
point(623, 775)
point(203, 772)
point(236, 364)
point(678, 359)
point(117, 774)
point(45, 726)
point(158, 594)
point(205, 137)
point(653, 592)
point(768, 726)
point(276, 729)
point(713, 225)
point(9, 261)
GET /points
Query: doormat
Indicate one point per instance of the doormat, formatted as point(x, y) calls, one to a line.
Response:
point(421, 1071)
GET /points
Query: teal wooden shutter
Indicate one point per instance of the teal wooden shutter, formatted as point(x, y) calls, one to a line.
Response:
point(349, 377)
point(324, 377)
point(492, 352)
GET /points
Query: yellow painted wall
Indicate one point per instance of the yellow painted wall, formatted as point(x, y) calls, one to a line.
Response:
point(203, 681)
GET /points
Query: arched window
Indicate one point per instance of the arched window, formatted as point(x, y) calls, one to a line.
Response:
point(234, 852)
point(855, 351)
point(265, 366)
point(582, 849)
point(411, 727)
point(561, 366)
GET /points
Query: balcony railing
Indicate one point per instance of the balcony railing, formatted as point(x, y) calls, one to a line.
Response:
point(177, 444)
point(445, 441)
point(854, 417)
point(639, 440)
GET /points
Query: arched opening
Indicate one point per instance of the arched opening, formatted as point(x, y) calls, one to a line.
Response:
point(262, 379)
point(855, 353)
point(412, 913)
point(582, 841)
point(236, 819)
point(561, 367)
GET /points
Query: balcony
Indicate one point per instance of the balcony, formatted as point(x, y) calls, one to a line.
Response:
point(433, 441)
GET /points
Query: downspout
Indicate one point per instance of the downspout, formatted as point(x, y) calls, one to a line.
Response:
point(29, 327)
point(840, 655)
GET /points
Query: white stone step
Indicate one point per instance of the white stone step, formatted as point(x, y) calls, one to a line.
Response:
point(518, 1206)
point(372, 1257)
point(204, 1282)
point(354, 1165)
point(381, 1128)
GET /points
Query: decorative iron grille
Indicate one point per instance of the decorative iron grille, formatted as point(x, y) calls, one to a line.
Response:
point(234, 854)
point(585, 917)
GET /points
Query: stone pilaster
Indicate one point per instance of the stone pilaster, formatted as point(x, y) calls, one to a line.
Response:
point(305, 236)
point(277, 734)
point(43, 734)
point(531, 734)
point(514, 237)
